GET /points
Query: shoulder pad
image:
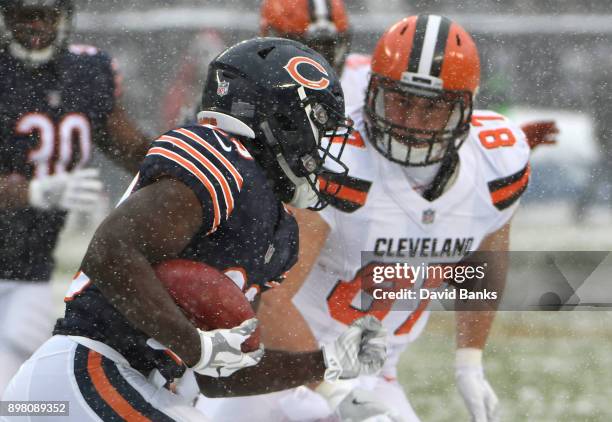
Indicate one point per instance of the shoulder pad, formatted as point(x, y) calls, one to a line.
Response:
point(504, 152)
point(92, 55)
point(83, 49)
point(204, 160)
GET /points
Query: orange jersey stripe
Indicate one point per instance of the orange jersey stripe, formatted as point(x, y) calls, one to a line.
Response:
point(108, 392)
point(225, 161)
point(354, 139)
point(227, 192)
point(197, 173)
point(344, 192)
point(506, 192)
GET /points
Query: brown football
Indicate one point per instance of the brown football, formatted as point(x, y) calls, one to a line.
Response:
point(208, 297)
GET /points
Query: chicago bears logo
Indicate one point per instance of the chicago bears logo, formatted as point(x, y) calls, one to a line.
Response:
point(292, 67)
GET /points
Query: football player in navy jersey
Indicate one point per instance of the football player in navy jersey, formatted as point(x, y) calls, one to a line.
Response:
point(272, 119)
point(57, 100)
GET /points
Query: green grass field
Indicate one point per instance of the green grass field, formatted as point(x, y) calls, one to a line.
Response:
point(544, 366)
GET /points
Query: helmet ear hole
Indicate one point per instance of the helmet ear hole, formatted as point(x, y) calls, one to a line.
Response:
point(228, 75)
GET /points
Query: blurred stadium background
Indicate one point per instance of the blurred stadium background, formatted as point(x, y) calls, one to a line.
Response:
point(541, 59)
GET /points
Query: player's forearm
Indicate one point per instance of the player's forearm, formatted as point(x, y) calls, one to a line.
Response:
point(473, 328)
point(282, 325)
point(128, 152)
point(13, 191)
point(128, 145)
point(278, 370)
point(128, 281)
point(132, 155)
point(474, 319)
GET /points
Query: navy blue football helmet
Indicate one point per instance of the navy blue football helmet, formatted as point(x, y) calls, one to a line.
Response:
point(286, 99)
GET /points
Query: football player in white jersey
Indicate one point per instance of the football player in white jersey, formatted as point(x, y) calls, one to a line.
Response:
point(431, 178)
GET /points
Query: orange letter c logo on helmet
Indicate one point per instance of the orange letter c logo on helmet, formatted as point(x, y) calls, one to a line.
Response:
point(293, 70)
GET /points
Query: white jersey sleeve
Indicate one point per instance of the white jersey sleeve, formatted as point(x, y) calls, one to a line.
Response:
point(504, 154)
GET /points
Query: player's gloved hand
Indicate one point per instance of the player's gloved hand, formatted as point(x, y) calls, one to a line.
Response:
point(360, 350)
point(540, 133)
point(355, 404)
point(479, 397)
point(79, 190)
point(221, 354)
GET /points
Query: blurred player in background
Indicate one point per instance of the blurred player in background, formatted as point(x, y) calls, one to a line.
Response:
point(181, 98)
point(212, 192)
point(320, 24)
point(57, 101)
point(429, 178)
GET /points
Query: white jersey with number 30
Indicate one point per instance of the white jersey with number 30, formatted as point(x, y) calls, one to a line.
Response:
point(377, 211)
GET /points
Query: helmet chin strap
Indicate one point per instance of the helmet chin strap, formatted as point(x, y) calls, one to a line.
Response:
point(303, 196)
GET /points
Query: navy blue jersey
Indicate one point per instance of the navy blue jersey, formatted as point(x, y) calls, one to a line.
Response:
point(245, 230)
point(48, 118)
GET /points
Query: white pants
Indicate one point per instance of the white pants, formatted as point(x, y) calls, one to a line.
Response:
point(98, 384)
point(297, 406)
point(26, 321)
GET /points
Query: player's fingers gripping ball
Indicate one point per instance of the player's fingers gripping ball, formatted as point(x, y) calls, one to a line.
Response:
point(224, 356)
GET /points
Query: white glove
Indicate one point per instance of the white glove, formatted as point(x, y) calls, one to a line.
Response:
point(480, 399)
point(355, 404)
point(221, 354)
point(79, 190)
point(360, 350)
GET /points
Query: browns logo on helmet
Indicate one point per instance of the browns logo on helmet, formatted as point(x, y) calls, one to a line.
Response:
point(425, 73)
point(320, 24)
point(34, 30)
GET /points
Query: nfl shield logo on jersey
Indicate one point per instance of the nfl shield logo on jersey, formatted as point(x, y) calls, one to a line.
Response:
point(428, 216)
point(222, 88)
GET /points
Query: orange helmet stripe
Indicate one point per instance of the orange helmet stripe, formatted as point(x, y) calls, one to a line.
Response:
point(429, 45)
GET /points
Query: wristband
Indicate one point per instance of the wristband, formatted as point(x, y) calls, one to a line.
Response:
point(468, 356)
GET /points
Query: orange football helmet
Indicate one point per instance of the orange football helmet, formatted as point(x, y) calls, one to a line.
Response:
point(320, 24)
point(423, 65)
